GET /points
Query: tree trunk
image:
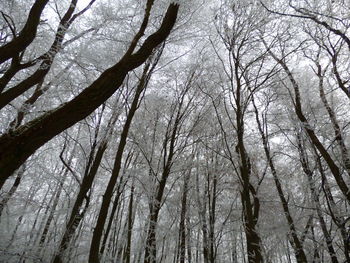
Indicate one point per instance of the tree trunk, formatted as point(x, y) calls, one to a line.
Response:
point(127, 253)
point(309, 175)
point(26, 36)
point(25, 140)
point(182, 226)
point(102, 216)
point(13, 188)
point(295, 241)
point(250, 208)
point(76, 214)
point(311, 133)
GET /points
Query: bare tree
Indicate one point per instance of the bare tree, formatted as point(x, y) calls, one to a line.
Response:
point(21, 41)
point(18, 145)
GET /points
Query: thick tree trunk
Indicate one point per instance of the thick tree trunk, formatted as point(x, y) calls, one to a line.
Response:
point(27, 35)
point(47, 59)
point(24, 141)
point(250, 221)
point(249, 198)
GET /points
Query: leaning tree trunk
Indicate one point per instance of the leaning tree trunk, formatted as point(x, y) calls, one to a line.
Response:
point(46, 59)
point(75, 215)
point(27, 35)
point(316, 199)
point(10, 193)
point(333, 167)
point(94, 256)
point(294, 240)
point(25, 140)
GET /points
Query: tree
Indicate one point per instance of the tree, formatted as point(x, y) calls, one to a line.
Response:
point(18, 145)
point(237, 150)
point(21, 41)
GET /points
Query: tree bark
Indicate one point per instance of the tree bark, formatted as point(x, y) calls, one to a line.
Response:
point(27, 35)
point(94, 256)
point(251, 208)
point(127, 252)
point(311, 133)
point(46, 59)
point(295, 241)
point(76, 216)
point(18, 145)
point(182, 225)
point(309, 175)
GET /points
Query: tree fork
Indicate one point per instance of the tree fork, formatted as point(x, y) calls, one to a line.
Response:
point(17, 146)
point(26, 36)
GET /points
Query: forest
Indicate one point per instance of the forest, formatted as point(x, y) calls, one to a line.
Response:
point(174, 131)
